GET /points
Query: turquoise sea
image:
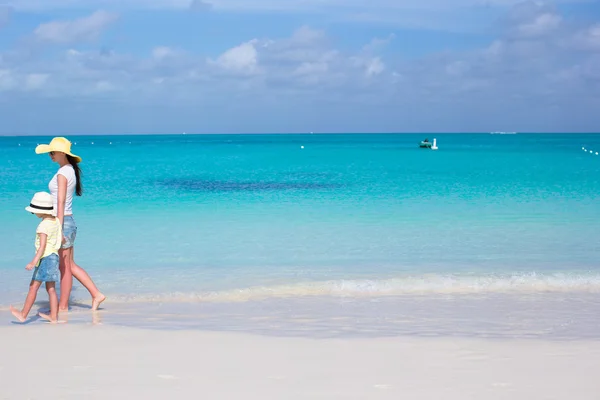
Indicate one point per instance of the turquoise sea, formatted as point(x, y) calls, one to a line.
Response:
point(205, 221)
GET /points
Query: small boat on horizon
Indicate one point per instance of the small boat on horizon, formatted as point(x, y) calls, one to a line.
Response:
point(426, 144)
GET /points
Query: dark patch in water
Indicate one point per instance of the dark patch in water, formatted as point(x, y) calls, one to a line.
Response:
point(230, 186)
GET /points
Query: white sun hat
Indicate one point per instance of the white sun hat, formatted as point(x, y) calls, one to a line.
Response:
point(41, 204)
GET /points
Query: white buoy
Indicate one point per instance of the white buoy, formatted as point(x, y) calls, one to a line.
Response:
point(583, 148)
point(301, 147)
point(434, 146)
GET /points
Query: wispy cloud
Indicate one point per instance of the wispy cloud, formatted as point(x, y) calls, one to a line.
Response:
point(273, 5)
point(77, 30)
point(200, 6)
point(374, 7)
point(5, 13)
point(439, 15)
point(533, 19)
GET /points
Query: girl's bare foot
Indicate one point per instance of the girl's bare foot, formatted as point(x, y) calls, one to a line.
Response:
point(97, 301)
point(49, 319)
point(18, 315)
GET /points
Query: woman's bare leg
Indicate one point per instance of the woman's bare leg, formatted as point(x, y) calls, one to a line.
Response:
point(66, 278)
point(83, 277)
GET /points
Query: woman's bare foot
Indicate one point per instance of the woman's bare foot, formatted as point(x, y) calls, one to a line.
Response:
point(49, 319)
point(18, 314)
point(97, 301)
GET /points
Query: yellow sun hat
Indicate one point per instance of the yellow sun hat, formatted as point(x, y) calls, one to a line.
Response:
point(57, 144)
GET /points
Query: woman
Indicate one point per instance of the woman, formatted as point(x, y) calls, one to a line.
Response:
point(65, 183)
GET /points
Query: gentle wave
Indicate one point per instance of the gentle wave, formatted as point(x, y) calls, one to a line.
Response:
point(415, 285)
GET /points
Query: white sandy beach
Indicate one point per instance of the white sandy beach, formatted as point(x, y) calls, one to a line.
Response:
point(39, 361)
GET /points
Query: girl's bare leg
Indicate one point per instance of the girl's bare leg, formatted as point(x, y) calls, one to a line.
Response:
point(66, 278)
point(53, 317)
point(31, 295)
point(83, 277)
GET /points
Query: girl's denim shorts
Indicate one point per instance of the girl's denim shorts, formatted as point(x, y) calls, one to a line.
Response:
point(47, 270)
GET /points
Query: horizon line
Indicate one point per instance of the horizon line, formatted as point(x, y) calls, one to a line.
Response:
point(305, 133)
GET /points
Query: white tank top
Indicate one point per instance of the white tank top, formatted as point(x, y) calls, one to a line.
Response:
point(68, 172)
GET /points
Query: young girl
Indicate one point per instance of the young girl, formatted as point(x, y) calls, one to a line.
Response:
point(47, 243)
point(64, 186)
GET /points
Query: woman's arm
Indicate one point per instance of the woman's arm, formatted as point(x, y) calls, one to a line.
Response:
point(38, 254)
point(62, 197)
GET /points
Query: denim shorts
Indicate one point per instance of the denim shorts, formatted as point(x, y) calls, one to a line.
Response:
point(47, 270)
point(69, 231)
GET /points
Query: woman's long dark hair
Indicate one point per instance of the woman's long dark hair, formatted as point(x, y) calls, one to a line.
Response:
point(75, 165)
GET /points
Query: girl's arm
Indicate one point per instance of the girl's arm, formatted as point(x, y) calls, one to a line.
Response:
point(62, 197)
point(38, 254)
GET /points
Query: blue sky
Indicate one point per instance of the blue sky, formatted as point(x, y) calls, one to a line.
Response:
point(168, 66)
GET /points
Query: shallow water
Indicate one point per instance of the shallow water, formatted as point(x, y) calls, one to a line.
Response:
point(499, 316)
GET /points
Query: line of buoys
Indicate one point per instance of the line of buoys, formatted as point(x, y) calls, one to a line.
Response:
point(589, 151)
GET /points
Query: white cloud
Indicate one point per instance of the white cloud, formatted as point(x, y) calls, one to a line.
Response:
point(532, 19)
point(35, 81)
point(541, 25)
point(7, 80)
point(310, 73)
point(311, 69)
point(306, 35)
point(305, 45)
point(457, 68)
point(44, 5)
point(375, 67)
point(495, 49)
point(242, 58)
point(163, 52)
point(588, 39)
point(81, 29)
point(104, 86)
point(200, 6)
point(377, 44)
